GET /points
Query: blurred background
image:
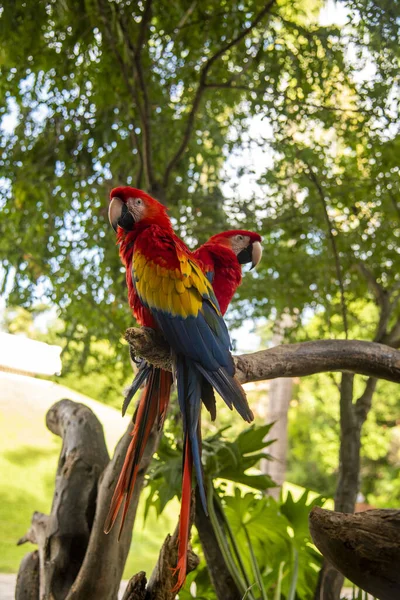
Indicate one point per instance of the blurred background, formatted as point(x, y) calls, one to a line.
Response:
point(278, 117)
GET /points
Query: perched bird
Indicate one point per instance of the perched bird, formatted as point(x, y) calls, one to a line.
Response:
point(222, 256)
point(167, 287)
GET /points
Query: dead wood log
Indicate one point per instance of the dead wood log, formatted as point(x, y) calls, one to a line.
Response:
point(365, 547)
point(288, 360)
point(104, 562)
point(28, 583)
point(63, 536)
point(76, 559)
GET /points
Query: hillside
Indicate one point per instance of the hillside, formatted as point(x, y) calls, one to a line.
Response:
point(28, 461)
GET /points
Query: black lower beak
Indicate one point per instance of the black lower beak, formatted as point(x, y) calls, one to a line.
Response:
point(245, 256)
point(126, 220)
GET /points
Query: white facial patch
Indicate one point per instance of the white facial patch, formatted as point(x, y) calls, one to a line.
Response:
point(136, 207)
point(239, 243)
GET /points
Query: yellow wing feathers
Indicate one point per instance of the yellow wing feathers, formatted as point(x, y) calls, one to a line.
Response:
point(177, 291)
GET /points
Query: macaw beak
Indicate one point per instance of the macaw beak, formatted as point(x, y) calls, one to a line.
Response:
point(119, 215)
point(252, 254)
point(256, 254)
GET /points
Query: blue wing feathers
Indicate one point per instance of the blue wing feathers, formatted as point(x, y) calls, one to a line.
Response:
point(189, 395)
point(144, 371)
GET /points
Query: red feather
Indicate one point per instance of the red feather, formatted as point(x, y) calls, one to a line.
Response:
point(222, 261)
point(184, 518)
point(153, 405)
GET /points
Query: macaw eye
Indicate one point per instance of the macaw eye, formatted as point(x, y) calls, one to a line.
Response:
point(138, 201)
point(239, 237)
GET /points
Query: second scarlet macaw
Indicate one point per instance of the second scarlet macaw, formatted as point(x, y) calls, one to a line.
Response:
point(169, 290)
point(222, 256)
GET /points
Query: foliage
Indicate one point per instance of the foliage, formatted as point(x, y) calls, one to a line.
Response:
point(314, 440)
point(274, 536)
point(155, 95)
point(279, 535)
point(222, 459)
point(313, 429)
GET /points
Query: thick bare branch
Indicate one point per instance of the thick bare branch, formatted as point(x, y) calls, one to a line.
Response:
point(203, 84)
point(364, 402)
point(105, 557)
point(163, 578)
point(288, 360)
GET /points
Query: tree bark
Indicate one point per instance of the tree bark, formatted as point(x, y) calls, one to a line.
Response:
point(28, 581)
point(364, 547)
point(288, 360)
point(352, 418)
point(102, 569)
point(77, 560)
point(163, 577)
point(63, 536)
point(279, 397)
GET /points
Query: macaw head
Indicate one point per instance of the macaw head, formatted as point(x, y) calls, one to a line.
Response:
point(245, 244)
point(129, 206)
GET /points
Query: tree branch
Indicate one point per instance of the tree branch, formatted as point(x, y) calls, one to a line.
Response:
point(105, 553)
point(121, 62)
point(144, 110)
point(382, 298)
point(339, 274)
point(393, 337)
point(28, 583)
point(203, 84)
point(143, 28)
point(364, 402)
point(163, 577)
point(288, 360)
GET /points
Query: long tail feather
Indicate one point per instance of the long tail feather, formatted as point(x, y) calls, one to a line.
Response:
point(143, 373)
point(184, 518)
point(189, 382)
point(152, 406)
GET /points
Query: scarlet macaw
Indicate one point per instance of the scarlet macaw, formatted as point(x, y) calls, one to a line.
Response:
point(169, 291)
point(221, 258)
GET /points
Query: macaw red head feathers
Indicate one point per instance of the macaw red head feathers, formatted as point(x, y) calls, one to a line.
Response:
point(129, 206)
point(245, 244)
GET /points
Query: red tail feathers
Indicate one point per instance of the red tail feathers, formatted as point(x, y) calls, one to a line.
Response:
point(184, 519)
point(153, 405)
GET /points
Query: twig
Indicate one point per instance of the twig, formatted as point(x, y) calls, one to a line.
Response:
point(202, 86)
